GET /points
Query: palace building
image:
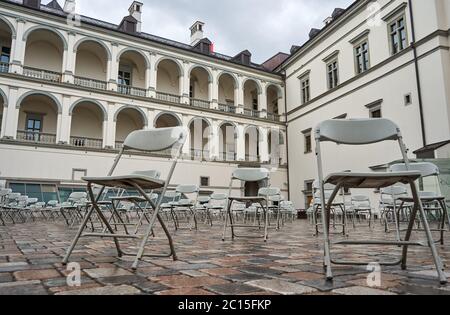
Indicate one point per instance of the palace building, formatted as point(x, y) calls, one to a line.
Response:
point(72, 88)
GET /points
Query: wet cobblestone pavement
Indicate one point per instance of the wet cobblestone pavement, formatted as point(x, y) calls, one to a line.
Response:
point(290, 263)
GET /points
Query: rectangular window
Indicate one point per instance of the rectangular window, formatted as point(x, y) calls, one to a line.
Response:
point(191, 91)
point(5, 55)
point(255, 103)
point(33, 127)
point(362, 57)
point(43, 192)
point(333, 74)
point(306, 92)
point(398, 36)
point(308, 143)
point(125, 76)
point(376, 112)
point(204, 181)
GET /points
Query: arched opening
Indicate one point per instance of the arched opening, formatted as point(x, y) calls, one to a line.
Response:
point(252, 151)
point(91, 66)
point(128, 120)
point(228, 144)
point(251, 103)
point(167, 121)
point(199, 87)
point(87, 125)
point(5, 46)
point(38, 119)
point(227, 93)
point(132, 71)
point(168, 81)
point(44, 53)
point(273, 97)
point(199, 139)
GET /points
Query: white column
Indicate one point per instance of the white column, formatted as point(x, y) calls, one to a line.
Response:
point(239, 95)
point(148, 73)
point(214, 141)
point(153, 76)
point(113, 68)
point(185, 83)
point(187, 145)
point(109, 127)
point(5, 117)
point(240, 143)
point(69, 63)
point(66, 120)
point(262, 100)
point(18, 59)
point(12, 115)
point(213, 90)
point(58, 127)
point(263, 144)
point(151, 118)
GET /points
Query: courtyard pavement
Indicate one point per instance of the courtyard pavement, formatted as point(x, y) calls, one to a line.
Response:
point(290, 263)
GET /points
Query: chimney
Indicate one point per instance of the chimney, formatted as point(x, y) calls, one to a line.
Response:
point(32, 3)
point(69, 6)
point(196, 32)
point(136, 12)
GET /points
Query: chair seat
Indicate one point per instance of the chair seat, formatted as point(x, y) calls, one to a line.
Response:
point(246, 199)
point(137, 199)
point(371, 180)
point(126, 181)
point(410, 199)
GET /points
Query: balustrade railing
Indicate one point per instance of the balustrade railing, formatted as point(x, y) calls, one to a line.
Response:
point(42, 74)
point(37, 137)
point(90, 83)
point(84, 142)
point(130, 90)
point(167, 97)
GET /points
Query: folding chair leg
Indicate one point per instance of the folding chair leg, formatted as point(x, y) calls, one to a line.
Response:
point(437, 260)
point(446, 213)
point(266, 224)
point(326, 233)
point(141, 250)
point(228, 215)
point(77, 237)
point(169, 237)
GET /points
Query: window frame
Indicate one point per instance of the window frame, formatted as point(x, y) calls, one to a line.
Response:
point(307, 134)
point(359, 44)
point(205, 178)
point(334, 72)
point(305, 89)
point(394, 20)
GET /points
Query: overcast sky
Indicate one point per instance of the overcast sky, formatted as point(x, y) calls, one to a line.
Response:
point(264, 27)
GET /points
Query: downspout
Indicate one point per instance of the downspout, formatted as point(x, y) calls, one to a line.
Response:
point(416, 65)
point(287, 135)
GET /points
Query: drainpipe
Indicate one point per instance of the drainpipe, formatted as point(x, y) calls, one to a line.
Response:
point(287, 135)
point(416, 65)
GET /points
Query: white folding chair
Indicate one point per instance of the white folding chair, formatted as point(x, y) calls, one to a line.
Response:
point(433, 201)
point(153, 140)
point(364, 132)
point(361, 205)
point(247, 175)
point(186, 207)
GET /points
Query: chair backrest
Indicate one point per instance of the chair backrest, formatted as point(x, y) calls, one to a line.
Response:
point(152, 174)
point(316, 186)
point(52, 203)
point(77, 197)
point(219, 197)
point(357, 131)
point(154, 140)
point(31, 201)
point(172, 195)
point(5, 192)
point(360, 198)
point(426, 169)
point(269, 192)
point(251, 174)
point(395, 191)
point(13, 197)
point(187, 189)
point(203, 199)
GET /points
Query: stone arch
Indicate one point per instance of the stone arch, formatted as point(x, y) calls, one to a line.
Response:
point(174, 115)
point(87, 100)
point(4, 97)
point(235, 78)
point(176, 61)
point(43, 93)
point(92, 39)
point(257, 83)
point(137, 108)
point(139, 52)
point(193, 67)
point(10, 25)
point(47, 28)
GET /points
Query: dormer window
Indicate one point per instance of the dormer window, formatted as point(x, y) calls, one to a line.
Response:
point(138, 8)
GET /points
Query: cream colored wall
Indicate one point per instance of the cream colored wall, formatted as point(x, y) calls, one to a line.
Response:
point(87, 122)
point(138, 68)
point(44, 55)
point(90, 65)
point(226, 89)
point(40, 107)
point(250, 92)
point(168, 78)
point(127, 123)
point(199, 80)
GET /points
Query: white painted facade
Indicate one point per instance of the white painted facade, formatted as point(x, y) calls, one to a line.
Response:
point(386, 85)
